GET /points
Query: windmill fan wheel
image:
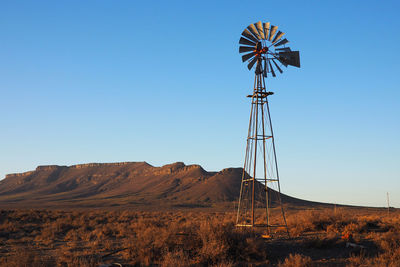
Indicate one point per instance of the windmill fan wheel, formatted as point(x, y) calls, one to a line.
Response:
point(262, 43)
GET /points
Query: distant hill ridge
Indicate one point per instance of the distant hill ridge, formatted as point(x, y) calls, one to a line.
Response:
point(77, 166)
point(124, 183)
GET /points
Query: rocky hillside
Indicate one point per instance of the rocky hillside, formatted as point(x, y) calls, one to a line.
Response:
point(124, 183)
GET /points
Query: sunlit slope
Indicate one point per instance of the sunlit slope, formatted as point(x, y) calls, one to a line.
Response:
point(126, 183)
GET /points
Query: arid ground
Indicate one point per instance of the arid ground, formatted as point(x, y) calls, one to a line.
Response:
point(319, 237)
point(135, 214)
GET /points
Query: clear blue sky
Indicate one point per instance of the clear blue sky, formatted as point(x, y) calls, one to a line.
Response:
point(162, 81)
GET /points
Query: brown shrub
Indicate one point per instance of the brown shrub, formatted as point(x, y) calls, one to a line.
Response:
point(296, 260)
point(27, 257)
point(176, 258)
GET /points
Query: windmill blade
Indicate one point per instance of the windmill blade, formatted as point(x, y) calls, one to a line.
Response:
point(284, 41)
point(272, 32)
point(272, 70)
point(253, 30)
point(276, 65)
point(252, 62)
point(243, 49)
point(265, 68)
point(291, 58)
point(278, 36)
point(248, 56)
point(260, 29)
point(285, 49)
point(266, 30)
point(246, 42)
point(258, 46)
point(248, 35)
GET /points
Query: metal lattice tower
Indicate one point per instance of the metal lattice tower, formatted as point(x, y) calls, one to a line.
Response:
point(260, 201)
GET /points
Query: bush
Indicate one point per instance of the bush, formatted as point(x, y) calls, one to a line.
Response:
point(296, 260)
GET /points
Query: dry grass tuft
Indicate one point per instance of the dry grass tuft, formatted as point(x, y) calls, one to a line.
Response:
point(296, 260)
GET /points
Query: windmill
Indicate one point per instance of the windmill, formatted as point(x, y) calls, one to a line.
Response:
point(260, 203)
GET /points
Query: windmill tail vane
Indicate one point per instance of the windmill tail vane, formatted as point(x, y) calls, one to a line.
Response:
point(264, 49)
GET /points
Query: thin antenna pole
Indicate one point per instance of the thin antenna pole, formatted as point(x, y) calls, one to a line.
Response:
point(388, 205)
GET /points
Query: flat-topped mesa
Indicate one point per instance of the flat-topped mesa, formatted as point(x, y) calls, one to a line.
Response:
point(38, 168)
point(142, 168)
point(170, 168)
point(120, 184)
point(86, 165)
point(42, 168)
point(49, 167)
point(193, 167)
point(13, 175)
point(176, 167)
